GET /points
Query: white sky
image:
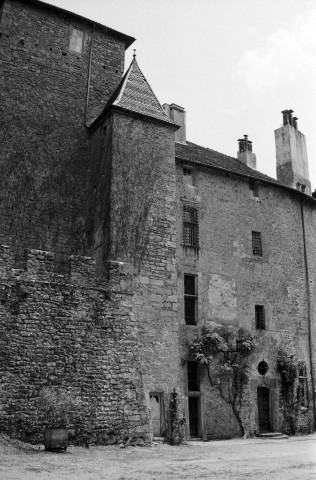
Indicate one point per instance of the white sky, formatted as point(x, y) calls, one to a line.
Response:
point(233, 64)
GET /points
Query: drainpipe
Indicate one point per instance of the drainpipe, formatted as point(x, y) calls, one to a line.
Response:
point(89, 76)
point(309, 311)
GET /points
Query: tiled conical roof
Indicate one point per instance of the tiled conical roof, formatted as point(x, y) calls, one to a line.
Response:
point(135, 94)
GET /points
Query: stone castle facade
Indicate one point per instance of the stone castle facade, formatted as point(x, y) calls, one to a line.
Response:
point(121, 240)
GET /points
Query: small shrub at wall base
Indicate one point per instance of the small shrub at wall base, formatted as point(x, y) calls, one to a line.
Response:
point(57, 409)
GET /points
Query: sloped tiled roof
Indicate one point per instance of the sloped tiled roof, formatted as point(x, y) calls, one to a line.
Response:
point(135, 94)
point(206, 156)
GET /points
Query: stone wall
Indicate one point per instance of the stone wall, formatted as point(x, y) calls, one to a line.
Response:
point(44, 154)
point(70, 330)
point(143, 230)
point(134, 159)
point(231, 280)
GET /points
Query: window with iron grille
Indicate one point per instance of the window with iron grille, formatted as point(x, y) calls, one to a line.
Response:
point(302, 386)
point(190, 299)
point(256, 244)
point(193, 377)
point(190, 227)
point(260, 317)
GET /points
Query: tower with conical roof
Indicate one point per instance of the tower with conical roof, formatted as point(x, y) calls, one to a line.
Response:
point(131, 215)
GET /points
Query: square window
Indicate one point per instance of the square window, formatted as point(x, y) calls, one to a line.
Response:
point(257, 244)
point(193, 377)
point(260, 317)
point(190, 299)
point(190, 227)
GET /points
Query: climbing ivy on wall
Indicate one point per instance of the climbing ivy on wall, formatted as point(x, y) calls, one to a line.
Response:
point(177, 420)
point(40, 190)
point(288, 367)
point(224, 351)
point(136, 190)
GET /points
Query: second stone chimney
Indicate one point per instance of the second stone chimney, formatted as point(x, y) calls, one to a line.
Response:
point(291, 154)
point(177, 115)
point(245, 153)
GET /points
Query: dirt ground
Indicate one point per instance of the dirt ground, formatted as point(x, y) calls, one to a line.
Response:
point(284, 459)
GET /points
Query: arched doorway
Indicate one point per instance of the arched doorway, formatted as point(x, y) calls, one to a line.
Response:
point(263, 395)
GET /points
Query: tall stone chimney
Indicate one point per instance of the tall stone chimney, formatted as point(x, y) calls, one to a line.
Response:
point(245, 153)
point(177, 115)
point(291, 154)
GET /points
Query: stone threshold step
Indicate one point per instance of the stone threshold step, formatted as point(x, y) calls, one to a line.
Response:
point(273, 435)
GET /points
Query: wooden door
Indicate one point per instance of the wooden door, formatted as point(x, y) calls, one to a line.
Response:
point(263, 394)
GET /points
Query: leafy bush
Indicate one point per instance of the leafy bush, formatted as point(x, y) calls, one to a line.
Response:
point(59, 408)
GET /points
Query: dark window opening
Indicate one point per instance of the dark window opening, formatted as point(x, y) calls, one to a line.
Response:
point(193, 377)
point(260, 317)
point(190, 227)
point(256, 244)
point(254, 188)
point(190, 299)
point(263, 367)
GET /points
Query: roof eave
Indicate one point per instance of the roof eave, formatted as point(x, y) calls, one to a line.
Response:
point(115, 108)
point(244, 175)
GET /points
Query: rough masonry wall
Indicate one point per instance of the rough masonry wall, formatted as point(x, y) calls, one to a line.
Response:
point(309, 217)
point(70, 330)
point(44, 142)
point(142, 230)
point(231, 280)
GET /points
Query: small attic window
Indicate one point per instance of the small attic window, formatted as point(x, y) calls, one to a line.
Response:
point(187, 175)
point(253, 188)
point(76, 40)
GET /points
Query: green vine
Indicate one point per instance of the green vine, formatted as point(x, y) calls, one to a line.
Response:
point(288, 368)
point(225, 360)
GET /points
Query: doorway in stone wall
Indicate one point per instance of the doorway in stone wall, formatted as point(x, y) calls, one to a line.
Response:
point(194, 416)
point(157, 414)
point(263, 395)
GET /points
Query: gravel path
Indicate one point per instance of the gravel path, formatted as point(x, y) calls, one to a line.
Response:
point(286, 459)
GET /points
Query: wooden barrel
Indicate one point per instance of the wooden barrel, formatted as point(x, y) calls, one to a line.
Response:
point(56, 438)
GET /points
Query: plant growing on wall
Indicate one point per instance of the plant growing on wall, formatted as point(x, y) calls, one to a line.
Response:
point(38, 190)
point(134, 193)
point(288, 368)
point(176, 419)
point(224, 351)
